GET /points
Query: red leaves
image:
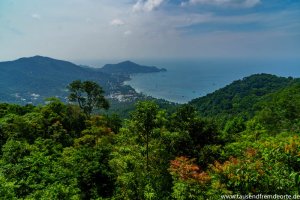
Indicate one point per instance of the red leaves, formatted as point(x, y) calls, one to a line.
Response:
point(251, 152)
point(184, 169)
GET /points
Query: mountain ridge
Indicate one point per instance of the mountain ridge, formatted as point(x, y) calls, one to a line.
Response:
point(46, 77)
point(241, 95)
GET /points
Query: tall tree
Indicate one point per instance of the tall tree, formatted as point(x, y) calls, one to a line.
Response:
point(145, 121)
point(88, 95)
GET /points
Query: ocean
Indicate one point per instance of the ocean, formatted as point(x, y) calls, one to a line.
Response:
point(189, 79)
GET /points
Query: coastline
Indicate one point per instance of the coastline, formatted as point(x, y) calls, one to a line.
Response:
point(128, 93)
point(140, 94)
point(144, 95)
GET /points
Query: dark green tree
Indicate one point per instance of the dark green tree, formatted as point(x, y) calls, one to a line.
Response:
point(88, 95)
point(145, 121)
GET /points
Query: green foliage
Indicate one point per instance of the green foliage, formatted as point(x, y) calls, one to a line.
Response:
point(232, 128)
point(140, 159)
point(15, 109)
point(44, 154)
point(89, 166)
point(7, 188)
point(144, 117)
point(114, 122)
point(281, 110)
point(88, 95)
point(59, 151)
point(240, 97)
point(198, 133)
point(269, 167)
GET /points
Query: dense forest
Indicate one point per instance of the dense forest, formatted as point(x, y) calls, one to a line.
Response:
point(242, 139)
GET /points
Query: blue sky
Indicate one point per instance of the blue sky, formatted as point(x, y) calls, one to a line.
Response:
point(150, 29)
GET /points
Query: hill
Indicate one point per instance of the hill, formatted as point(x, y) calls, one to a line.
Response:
point(56, 151)
point(32, 79)
point(128, 68)
point(241, 96)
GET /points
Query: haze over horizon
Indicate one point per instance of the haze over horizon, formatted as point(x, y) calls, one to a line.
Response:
point(143, 29)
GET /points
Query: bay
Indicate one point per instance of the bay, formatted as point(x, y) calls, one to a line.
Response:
point(189, 79)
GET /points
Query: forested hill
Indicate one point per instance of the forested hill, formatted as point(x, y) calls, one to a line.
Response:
point(58, 152)
point(129, 67)
point(35, 78)
point(241, 96)
point(32, 79)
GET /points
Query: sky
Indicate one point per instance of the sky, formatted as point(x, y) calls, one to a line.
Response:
point(149, 29)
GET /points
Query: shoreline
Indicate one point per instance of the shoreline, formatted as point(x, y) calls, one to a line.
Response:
point(145, 95)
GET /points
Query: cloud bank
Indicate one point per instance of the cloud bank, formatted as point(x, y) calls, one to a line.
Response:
point(237, 3)
point(106, 29)
point(117, 22)
point(147, 5)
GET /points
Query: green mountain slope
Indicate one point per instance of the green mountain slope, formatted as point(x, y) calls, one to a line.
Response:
point(32, 79)
point(281, 110)
point(241, 96)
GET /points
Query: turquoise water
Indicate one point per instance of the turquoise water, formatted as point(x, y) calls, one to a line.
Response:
point(186, 80)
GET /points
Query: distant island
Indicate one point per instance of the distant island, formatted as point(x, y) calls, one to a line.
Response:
point(128, 67)
point(30, 80)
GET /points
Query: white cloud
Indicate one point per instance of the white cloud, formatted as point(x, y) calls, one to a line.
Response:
point(241, 3)
point(147, 5)
point(107, 29)
point(36, 16)
point(117, 22)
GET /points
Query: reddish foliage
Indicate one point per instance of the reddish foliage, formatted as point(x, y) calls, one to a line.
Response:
point(251, 152)
point(185, 169)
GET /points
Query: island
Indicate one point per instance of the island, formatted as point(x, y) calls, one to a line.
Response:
point(128, 67)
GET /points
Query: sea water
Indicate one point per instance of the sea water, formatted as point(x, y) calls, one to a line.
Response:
point(189, 79)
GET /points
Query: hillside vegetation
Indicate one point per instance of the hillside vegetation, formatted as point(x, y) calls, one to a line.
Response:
point(56, 151)
point(31, 80)
point(241, 96)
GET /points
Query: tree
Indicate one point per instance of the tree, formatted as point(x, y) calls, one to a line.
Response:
point(145, 121)
point(189, 181)
point(198, 131)
point(88, 95)
point(141, 154)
